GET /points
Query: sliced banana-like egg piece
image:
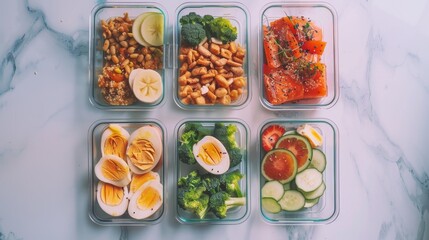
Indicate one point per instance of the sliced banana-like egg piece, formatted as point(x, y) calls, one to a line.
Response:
point(144, 149)
point(112, 199)
point(147, 85)
point(311, 134)
point(146, 200)
point(114, 141)
point(114, 170)
point(212, 155)
point(138, 180)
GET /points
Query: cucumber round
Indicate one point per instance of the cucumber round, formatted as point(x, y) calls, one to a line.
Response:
point(292, 200)
point(299, 146)
point(272, 189)
point(311, 202)
point(280, 165)
point(271, 205)
point(308, 180)
point(318, 160)
point(291, 132)
point(316, 193)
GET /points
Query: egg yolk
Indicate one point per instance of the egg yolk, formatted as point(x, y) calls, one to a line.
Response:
point(116, 143)
point(113, 170)
point(141, 153)
point(210, 154)
point(111, 195)
point(148, 198)
point(139, 179)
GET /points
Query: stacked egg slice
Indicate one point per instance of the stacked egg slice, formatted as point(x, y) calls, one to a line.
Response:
point(125, 171)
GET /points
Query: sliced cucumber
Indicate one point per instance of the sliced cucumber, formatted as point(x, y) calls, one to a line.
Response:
point(272, 189)
point(308, 180)
point(292, 200)
point(318, 160)
point(271, 205)
point(310, 202)
point(290, 132)
point(316, 193)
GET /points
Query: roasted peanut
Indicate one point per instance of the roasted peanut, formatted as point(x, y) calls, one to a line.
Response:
point(113, 50)
point(239, 82)
point(234, 64)
point(215, 49)
point(131, 50)
point(203, 61)
point(195, 94)
point(115, 59)
point(183, 68)
point(192, 80)
point(238, 71)
point(199, 71)
point(124, 43)
point(106, 45)
point(233, 94)
point(221, 81)
point(225, 53)
point(232, 47)
point(225, 100)
point(221, 62)
point(211, 96)
point(125, 63)
point(204, 51)
point(220, 92)
point(200, 100)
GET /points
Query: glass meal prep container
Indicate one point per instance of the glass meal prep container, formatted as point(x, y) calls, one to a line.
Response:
point(298, 52)
point(298, 171)
point(210, 189)
point(214, 73)
point(127, 172)
point(127, 56)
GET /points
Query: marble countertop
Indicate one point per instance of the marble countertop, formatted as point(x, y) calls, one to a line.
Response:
point(382, 115)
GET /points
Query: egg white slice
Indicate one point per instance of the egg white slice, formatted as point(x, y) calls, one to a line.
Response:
point(107, 189)
point(203, 159)
point(146, 200)
point(151, 134)
point(113, 128)
point(106, 170)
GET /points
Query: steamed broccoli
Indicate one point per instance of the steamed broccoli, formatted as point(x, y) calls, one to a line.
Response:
point(192, 34)
point(230, 182)
point(212, 183)
point(226, 135)
point(191, 194)
point(220, 202)
point(222, 29)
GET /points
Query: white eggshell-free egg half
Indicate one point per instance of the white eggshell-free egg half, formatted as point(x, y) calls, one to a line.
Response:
point(152, 134)
point(146, 200)
point(219, 168)
point(109, 131)
point(117, 209)
point(114, 170)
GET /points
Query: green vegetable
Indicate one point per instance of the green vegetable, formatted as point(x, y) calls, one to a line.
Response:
point(220, 202)
point(222, 29)
point(226, 135)
point(195, 190)
point(231, 181)
point(192, 34)
point(195, 28)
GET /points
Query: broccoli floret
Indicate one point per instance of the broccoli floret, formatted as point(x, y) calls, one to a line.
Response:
point(192, 133)
point(185, 154)
point(192, 34)
point(199, 130)
point(222, 29)
point(212, 183)
point(191, 18)
point(235, 157)
point(226, 135)
point(220, 202)
point(191, 194)
point(230, 182)
point(193, 179)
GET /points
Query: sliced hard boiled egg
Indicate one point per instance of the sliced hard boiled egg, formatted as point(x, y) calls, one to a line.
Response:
point(139, 179)
point(144, 149)
point(114, 141)
point(147, 85)
point(211, 154)
point(311, 134)
point(114, 170)
point(146, 200)
point(112, 199)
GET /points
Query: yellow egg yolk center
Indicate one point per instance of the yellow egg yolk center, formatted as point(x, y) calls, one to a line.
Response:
point(141, 153)
point(116, 145)
point(148, 198)
point(113, 170)
point(210, 154)
point(111, 195)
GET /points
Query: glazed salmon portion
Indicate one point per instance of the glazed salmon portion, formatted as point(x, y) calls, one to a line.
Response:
point(293, 68)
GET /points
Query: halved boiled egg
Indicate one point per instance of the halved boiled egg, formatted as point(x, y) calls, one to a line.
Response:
point(146, 200)
point(114, 141)
point(311, 134)
point(211, 154)
point(114, 170)
point(138, 180)
point(144, 149)
point(112, 199)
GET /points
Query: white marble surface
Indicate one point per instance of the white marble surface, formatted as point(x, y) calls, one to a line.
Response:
point(382, 114)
